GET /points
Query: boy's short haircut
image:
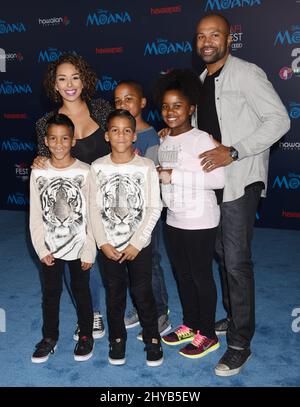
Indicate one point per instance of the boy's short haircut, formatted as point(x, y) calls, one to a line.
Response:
point(60, 119)
point(124, 114)
point(138, 87)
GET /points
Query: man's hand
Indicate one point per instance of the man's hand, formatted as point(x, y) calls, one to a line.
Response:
point(48, 260)
point(39, 162)
point(215, 158)
point(110, 252)
point(129, 253)
point(86, 266)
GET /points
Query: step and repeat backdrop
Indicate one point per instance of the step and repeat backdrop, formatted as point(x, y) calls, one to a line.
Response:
point(140, 39)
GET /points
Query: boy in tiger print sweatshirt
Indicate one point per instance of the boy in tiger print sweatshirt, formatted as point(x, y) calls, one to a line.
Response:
point(61, 234)
point(125, 206)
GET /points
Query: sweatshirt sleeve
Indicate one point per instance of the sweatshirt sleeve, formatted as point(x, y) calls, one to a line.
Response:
point(153, 211)
point(94, 212)
point(265, 102)
point(88, 253)
point(36, 220)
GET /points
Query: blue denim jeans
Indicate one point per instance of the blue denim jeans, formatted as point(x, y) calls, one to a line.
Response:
point(233, 249)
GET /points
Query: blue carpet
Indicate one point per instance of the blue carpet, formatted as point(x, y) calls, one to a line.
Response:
point(276, 347)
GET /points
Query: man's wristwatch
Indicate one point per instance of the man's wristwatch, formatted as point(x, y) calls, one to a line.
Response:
point(234, 154)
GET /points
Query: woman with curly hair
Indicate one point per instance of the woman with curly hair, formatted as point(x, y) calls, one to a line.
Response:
point(71, 83)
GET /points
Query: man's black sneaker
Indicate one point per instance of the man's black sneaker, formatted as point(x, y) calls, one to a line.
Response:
point(232, 362)
point(43, 349)
point(84, 349)
point(221, 326)
point(116, 355)
point(154, 351)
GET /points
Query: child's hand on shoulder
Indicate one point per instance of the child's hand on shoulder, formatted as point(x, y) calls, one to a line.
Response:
point(48, 260)
point(165, 175)
point(86, 266)
point(129, 253)
point(110, 252)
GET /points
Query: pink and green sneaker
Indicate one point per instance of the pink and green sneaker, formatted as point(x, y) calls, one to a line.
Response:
point(180, 335)
point(200, 346)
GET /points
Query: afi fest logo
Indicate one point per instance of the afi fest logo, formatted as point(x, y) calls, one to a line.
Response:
point(2, 60)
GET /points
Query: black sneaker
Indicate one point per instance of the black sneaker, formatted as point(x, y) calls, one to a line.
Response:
point(43, 349)
point(84, 349)
point(116, 355)
point(221, 327)
point(232, 362)
point(154, 351)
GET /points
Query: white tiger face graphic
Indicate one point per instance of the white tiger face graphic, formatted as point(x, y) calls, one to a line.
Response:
point(63, 210)
point(122, 205)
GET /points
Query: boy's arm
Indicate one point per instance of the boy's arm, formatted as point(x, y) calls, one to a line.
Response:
point(36, 221)
point(95, 211)
point(153, 210)
point(88, 253)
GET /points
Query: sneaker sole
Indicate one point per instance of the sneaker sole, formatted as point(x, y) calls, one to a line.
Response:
point(179, 342)
point(140, 338)
point(231, 372)
point(98, 335)
point(154, 363)
point(117, 362)
point(132, 325)
point(42, 360)
point(83, 358)
point(201, 355)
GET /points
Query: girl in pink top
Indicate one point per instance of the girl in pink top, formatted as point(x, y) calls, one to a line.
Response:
point(193, 213)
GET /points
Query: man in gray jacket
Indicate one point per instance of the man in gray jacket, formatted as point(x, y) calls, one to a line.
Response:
point(242, 111)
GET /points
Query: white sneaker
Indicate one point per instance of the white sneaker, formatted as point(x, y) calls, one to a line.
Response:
point(98, 327)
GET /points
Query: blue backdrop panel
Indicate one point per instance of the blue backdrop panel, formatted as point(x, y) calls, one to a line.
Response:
point(139, 39)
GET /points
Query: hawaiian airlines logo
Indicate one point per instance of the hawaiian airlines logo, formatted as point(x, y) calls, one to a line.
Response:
point(10, 88)
point(289, 145)
point(51, 54)
point(165, 47)
point(291, 182)
point(289, 37)
point(54, 21)
point(105, 17)
point(18, 199)
point(14, 144)
point(6, 28)
point(221, 5)
point(236, 33)
point(106, 84)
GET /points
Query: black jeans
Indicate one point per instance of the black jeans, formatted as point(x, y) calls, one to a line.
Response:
point(233, 249)
point(140, 285)
point(191, 255)
point(52, 277)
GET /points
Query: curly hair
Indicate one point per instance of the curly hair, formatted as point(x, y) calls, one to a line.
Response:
point(183, 80)
point(87, 76)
